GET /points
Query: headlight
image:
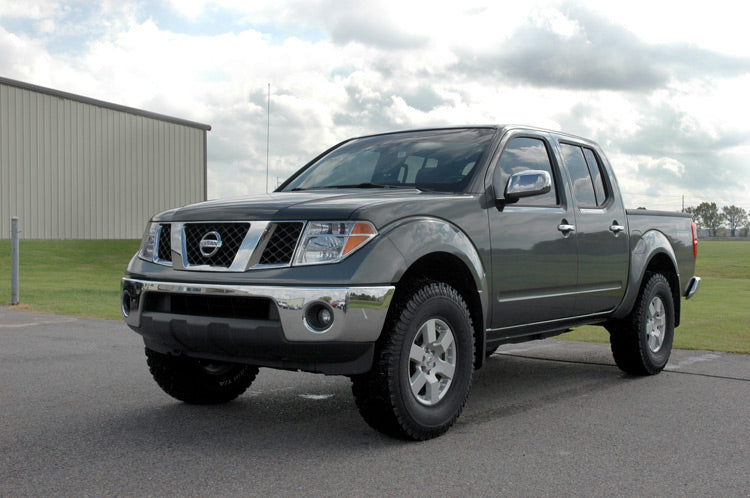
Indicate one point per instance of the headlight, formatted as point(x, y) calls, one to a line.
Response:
point(148, 243)
point(330, 242)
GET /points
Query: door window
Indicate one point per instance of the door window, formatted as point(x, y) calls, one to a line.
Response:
point(595, 169)
point(523, 154)
point(585, 172)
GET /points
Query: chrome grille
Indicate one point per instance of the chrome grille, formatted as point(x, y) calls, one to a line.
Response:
point(231, 234)
point(165, 243)
point(281, 245)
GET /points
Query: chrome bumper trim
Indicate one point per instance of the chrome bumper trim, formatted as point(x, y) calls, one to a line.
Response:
point(358, 312)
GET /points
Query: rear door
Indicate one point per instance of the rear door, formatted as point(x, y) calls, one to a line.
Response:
point(601, 230)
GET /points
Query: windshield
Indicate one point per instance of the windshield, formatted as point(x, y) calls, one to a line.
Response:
point(439, 160)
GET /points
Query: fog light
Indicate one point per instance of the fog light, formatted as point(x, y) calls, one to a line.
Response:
point(125, 304)
point(325, 317)
point(319, 317)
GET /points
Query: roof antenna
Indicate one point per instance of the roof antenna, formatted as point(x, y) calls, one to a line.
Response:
point(268, 132)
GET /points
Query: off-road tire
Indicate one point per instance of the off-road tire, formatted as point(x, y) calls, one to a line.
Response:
point(385, 396)
point(642, 342)
point(199, 382)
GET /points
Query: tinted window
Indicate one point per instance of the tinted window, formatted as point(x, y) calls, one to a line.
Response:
point(583, 188)
point(595, 170)
point(523, 154)
point(443, 160)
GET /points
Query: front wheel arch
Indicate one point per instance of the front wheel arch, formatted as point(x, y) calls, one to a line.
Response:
point(390, 397)
point(449, 269)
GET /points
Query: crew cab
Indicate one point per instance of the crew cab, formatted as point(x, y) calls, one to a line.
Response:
point(403, 260)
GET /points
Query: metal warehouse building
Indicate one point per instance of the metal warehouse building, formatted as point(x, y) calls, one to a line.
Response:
point(72, 167)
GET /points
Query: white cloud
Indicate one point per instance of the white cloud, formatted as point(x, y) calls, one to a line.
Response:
point(652, 91)
point(37, 9)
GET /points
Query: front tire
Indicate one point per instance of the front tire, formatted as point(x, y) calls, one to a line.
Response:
point(199, 382)
point(642, 343)
point(420, 381)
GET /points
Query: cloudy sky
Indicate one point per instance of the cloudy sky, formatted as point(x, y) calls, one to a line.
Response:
point(663, 86)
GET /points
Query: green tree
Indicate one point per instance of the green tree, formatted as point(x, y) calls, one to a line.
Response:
point(736, 217)
point(707, 215)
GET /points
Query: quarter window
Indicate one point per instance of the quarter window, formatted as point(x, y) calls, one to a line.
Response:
point(595, 169)
point(585, 173)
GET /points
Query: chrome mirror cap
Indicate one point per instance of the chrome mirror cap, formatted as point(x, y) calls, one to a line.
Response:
point(528, 183)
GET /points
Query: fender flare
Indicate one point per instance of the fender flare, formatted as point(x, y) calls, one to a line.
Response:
point(421, 236)
point(650, 245)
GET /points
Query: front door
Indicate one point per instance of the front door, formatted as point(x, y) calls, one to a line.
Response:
point(534, 255)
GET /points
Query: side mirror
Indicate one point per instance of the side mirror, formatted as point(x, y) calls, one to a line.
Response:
point(528, 183)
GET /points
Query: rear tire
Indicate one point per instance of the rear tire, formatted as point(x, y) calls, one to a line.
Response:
point(199, 382)
point(642, 342)
point(420, 381)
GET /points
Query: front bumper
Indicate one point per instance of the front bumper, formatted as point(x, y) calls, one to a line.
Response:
point(263, 325)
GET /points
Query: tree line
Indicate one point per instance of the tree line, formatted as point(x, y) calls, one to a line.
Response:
point(707, 215)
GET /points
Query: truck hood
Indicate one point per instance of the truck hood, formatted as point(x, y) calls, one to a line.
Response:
point(322, 205)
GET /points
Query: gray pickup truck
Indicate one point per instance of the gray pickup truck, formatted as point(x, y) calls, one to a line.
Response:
point(403, 260)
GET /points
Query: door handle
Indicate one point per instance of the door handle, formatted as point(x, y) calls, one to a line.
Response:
point(616, 228)
point(565, 228)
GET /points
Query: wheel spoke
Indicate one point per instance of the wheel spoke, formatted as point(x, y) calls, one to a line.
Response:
point(433, 389)
point(416, 353)
point(445, 343)
point(417, 381)
point(428, 332)
point(444, 369)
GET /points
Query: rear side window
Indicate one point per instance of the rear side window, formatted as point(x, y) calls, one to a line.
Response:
point(595, 169)
point(585, 172)
point(523, 154)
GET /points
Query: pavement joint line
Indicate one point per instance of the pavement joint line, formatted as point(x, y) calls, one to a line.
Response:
point(711, 376)
point(578, 362)
point(694, 359)
point(528, 348)
point(32, 324)
point(554, 359)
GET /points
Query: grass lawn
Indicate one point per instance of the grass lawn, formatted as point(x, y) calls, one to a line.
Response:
point(82, 278)
point(69, 277)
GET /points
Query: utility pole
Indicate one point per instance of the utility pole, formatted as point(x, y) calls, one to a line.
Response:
point(14, 260)
point(268, 132)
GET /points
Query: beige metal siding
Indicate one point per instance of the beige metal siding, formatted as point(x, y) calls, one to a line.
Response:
point(71, 169)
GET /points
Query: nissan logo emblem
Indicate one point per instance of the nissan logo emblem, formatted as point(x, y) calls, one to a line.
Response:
point(210, 244)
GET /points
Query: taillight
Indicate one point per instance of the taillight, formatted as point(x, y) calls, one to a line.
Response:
point(694, 229)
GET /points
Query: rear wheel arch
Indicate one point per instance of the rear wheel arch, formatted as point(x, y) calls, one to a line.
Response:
point(662, 264)
point(653, 253)
point(642, 342)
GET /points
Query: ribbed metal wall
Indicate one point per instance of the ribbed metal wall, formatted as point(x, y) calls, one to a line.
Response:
point(75, 168)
